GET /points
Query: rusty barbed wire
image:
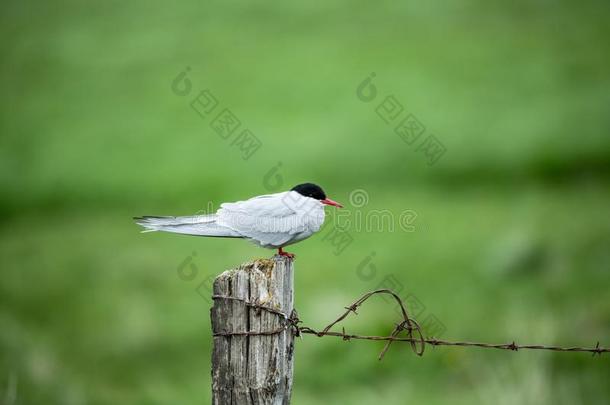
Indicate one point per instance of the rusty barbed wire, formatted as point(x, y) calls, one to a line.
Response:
point(408, 325)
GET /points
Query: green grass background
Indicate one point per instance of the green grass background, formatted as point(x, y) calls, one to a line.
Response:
point(512, 235)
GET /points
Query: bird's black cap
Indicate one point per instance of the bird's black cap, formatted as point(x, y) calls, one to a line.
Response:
point(310, 190)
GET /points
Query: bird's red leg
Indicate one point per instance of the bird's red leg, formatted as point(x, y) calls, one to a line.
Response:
point(286, 254)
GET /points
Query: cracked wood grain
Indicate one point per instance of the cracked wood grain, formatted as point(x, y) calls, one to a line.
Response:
point(253, 369)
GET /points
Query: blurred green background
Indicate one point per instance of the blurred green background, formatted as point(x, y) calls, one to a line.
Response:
point(511, 239)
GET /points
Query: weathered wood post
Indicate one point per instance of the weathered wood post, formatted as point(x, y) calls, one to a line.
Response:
point(252, 357)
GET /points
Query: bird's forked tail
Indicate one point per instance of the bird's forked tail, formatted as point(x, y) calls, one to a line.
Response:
point(198, 225)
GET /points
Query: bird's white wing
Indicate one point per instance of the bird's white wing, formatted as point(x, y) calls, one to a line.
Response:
point(274, 219)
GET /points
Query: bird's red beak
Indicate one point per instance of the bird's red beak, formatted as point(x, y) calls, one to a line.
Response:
point(328, 201)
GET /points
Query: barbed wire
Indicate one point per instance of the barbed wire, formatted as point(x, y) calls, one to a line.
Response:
point(409, 326)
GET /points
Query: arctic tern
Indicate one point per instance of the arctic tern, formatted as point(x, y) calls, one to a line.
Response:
point(271, 221)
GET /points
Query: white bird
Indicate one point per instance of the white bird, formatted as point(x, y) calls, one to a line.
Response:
point(272, 221)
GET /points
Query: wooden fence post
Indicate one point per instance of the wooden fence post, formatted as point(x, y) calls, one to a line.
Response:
point(253, 368)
